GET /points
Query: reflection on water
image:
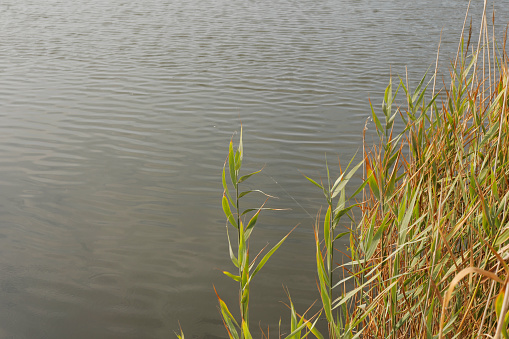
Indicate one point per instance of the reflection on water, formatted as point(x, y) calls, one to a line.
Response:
point(114, 122)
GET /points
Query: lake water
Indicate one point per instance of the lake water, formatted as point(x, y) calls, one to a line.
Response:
point(115, 118)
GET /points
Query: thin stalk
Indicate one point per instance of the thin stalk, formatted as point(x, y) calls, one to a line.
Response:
point(241, 266)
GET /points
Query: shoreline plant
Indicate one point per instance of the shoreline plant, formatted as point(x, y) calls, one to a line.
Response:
point(429, 255)
point(247, 270)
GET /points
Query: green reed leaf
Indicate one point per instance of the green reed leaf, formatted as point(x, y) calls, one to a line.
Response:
point(341, 182)
point(225, 186)
point(499, 302)
point(403, 229)
point(269, 254)
point(429, 321)
point(245, 330)
point(337, 187)
point(358, 190)
point(234, 277)
point(245, 177)
point(264, 208)
point(373, 184)
point(243, 260)
point(251, 224)
point(237, 161)
point(327, 229)
point(312, 327)
point(341, 235)
point(258, 191)
point(297, 330)
point(326, 301)
point(227, 212)
point(245, 291)
point(241, 145)
point(340, 212)
point(315, 183)
point(375, 239)
point(379, 128)
point(232, 256)
point(229, 321)
point(231, 163)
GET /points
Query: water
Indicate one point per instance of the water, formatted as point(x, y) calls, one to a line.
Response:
point(115, 118)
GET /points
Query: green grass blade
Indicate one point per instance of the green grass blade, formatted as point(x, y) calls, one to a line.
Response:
point(232, 256)
point(269, 254)
point(315, 183)
point(225, 186)
point(327, 229)
point(234, 277)
point(231, 163)
point(227, 212)
point(245, 177)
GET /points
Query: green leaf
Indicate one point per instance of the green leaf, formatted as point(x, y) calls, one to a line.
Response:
point(237, 161)
point(326, 229)
point(313, 329)
point(506, 324)
point(239, 154)
point(326, 301)
point(241, 144)
point(403, 229)
point(340, 235)
point(341, 212)
point(263, 209)
point(314, 182)
point(228, 213)
point(429, 321)
point(225, 186)
point(324, 283)
point(373, 184)
point(231, 163)
point(232, 256)
point(251, 191)
point(489, 135)
point(337, 187)
point(297, 330)
point(229, 320)
point(251, 224)
point(373, 243)
point(244, 177)
point(358, 190)
point(245, 330)
point(353, 170)
point(269, 254)
point(379, 127)
point(499, 301)
point(245, 290)
point(234, 277)
point(243, 260)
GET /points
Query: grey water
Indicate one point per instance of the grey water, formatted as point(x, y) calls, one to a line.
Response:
point(115, 118)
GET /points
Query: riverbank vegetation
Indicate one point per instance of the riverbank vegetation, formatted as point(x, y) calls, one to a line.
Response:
point(428, 246)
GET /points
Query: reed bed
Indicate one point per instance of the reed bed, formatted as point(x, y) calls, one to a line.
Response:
point(428, 257)
point(429, 249)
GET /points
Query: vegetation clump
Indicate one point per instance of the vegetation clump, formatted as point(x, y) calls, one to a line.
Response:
point(428, 256)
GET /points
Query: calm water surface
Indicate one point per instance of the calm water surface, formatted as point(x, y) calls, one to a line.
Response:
point(115, 118)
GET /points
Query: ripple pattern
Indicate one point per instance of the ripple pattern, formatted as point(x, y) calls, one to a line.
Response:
point(114, 122)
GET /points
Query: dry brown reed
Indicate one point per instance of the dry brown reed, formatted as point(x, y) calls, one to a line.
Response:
point(429, 254)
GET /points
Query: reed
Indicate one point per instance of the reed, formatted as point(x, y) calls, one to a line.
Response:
point(428, 256)
point(247, 270)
